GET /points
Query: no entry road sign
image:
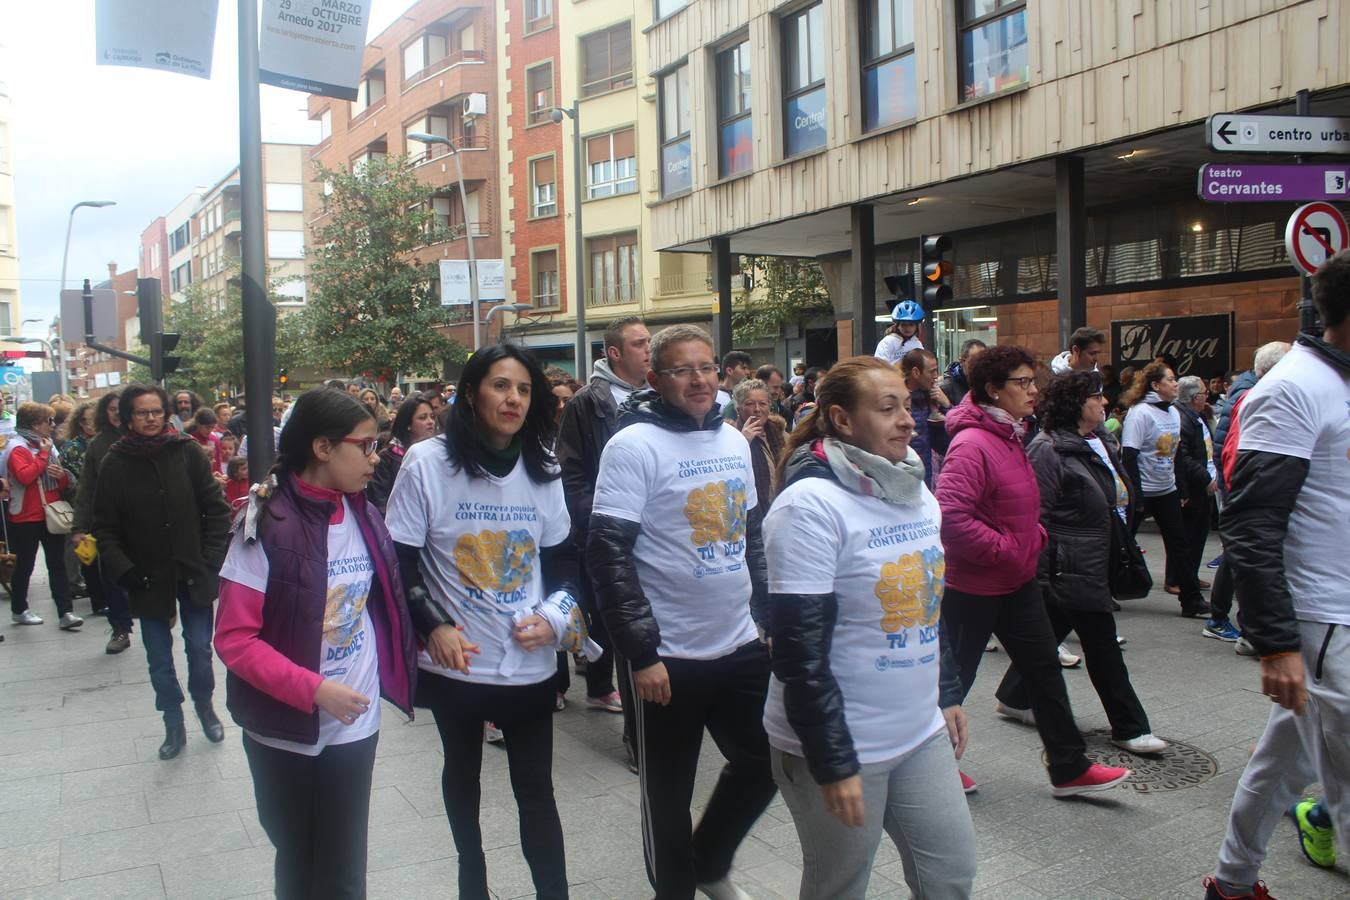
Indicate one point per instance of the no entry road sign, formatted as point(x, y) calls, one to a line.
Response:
point(1315, 233)
point(1243, 133)
point(1240, 183)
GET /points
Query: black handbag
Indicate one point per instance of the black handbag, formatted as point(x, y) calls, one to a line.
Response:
point(1129, 575)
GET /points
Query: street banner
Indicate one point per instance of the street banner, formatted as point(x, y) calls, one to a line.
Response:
point(1243, 183)
point(455, 281)
point(1201, 345)
point(313, 46)
point(105, 316)
point(170, 35)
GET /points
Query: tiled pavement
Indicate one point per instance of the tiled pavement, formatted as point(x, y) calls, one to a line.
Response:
point(88, 811)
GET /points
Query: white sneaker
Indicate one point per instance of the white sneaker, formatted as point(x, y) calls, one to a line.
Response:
point(1067, 659)
point(492, 734)
point(27, 617)
point(723, 889)
point(70, 621)
point(1243, 647)
point(1025, 716)
point(1145, 743)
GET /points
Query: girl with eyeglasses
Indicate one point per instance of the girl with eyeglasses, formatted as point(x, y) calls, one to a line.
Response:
point(314, 630)
point(993, 538)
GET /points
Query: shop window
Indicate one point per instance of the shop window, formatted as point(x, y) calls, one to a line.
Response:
point(735, 133)
point(993, 46)
point(804, 81)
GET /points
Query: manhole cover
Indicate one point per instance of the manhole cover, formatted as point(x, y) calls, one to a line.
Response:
point(1181, 765)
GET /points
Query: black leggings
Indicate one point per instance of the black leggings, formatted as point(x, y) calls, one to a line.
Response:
point(524, 713)
point(25, 538)
point(1166, 511)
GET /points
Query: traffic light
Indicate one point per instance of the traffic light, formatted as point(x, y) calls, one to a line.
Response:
point(933, 249)
point(161, 364)
point(283, 378)
point(23, 354)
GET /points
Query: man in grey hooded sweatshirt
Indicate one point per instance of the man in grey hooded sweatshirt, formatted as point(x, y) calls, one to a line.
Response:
point(589, 420)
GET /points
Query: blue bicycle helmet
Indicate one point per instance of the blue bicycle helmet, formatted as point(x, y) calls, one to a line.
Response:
point(907, 311)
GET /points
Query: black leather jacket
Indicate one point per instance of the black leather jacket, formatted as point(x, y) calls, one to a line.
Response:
point(802, 632)
point(1254, 523)
point(613, 567)
point(1192, 469)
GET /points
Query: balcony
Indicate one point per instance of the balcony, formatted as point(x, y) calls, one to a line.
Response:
point(436, 67)
point(681, 284)
point(614, 294)
point(230, 222)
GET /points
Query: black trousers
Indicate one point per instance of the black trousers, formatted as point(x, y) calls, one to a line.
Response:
point(316, 811)
point(600, 674)
point(1166, 511)
point(1105, 665)
point(1221, 596)
point(25, 538)
point(524, 713)
point(1023, 628)
point(726, 696)
point(1195, 519)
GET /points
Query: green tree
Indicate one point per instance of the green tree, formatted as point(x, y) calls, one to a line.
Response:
point(787, 291)
point(371, 300)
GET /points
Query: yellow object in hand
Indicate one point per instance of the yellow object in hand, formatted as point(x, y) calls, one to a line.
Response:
point(86, 551)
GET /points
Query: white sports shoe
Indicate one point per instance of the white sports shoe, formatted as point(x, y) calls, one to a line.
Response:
point(1145, 743)
point(27, 617)
point(1067, 659)
point(1025, 716)
point(723, 889)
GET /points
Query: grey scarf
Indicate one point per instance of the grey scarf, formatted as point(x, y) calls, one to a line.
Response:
point(874, 476)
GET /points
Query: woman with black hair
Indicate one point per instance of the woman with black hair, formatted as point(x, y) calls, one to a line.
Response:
point(162, 526)
point(314, 630)
point(107, 423)
point(414, 422)
point(1082, 485)
point(482, 534)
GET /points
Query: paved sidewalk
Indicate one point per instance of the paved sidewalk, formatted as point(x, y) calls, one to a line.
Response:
point(88, 811)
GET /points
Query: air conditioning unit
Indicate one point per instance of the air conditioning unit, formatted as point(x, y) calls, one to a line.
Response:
point(475, 105)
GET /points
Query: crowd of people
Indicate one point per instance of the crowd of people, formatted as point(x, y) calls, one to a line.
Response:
point(462, 550)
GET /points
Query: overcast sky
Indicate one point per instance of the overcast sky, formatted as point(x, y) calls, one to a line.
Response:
point(142, 138)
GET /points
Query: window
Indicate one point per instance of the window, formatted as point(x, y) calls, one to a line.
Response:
point(285, 197)
point(614, 269)
point(431, 47)
point(154, 258)
point(890, 94)
point(676, 116)
point(607, 60)
point(993, 46)
point(285, 244)
point(539, 90)
point(5, 236)
point(365, 159)
point(669, 7)
point(7, 299)
point(543, 188)
point(450, 213)
point(544, 282)
point(180, 277)
point(611, 164)
point(181, 237)
point(538, 15)
point(804, 81)
point(4, 146)
point(734, 131)
point(434, 122)
point(325, 125)
point(293, 291)
point(369, 92)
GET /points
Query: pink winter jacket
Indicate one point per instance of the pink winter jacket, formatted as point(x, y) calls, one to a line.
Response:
point(991, 507)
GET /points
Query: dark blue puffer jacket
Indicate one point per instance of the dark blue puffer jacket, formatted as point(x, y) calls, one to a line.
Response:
point(1241, 385)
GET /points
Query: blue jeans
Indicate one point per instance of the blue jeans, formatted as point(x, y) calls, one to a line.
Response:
point(157, 635)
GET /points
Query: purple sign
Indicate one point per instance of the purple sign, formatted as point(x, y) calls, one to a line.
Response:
point(1241, 183)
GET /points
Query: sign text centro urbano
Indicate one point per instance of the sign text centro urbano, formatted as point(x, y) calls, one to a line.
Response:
point(1243, 133)
point(1241, 183)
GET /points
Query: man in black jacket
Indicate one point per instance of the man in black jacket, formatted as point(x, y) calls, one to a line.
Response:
point(1284, 536)
point(677, 562)
point(588, 422)
point(1196, 475)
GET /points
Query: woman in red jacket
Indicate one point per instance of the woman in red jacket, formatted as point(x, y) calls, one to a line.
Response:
point(34, 473)
point(992, 536)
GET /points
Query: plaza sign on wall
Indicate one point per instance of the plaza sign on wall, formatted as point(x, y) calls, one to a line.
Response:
point(455, 281)
point(313, 45)
point(1201, 345)
point(170, 35)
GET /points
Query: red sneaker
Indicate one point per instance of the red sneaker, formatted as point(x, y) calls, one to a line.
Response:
point(967, 783)
point(1096, 778)
point(1214, 892)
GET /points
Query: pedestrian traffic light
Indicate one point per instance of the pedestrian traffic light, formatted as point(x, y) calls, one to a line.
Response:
point(161, 364)
point(937, 269)
point(283, 378)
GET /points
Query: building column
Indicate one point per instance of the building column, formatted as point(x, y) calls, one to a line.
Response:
point(1070, 245)
point(863, 261)
point(722, 262)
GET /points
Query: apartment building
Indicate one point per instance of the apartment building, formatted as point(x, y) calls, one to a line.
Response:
point(1032, 133)
point(178, 228)
point(154, 254)
point(10, 314)
point(417, 76)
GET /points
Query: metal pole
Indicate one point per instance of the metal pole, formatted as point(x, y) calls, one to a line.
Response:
point(579, 276)
point(260, 318)
point(58, 359)
point(1307, 312)
point(468, 233)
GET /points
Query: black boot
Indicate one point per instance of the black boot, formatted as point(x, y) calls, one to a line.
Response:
point(175, 739)
point(215, 732)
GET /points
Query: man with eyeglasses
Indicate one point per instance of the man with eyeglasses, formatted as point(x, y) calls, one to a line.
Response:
point(677, 564)
point(162, 526)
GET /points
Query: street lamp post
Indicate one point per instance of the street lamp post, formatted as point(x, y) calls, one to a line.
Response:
point(61, 374)
point(468, 228)
point(583, 350)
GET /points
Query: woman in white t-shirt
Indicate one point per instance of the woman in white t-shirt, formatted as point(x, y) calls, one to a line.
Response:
point(863, 711)
point(481, 531)
point(313, 629)
point(1150, 440)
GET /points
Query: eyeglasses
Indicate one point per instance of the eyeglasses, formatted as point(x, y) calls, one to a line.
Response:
point(1024, 382)
point(707, 370)
point(367, 445)
point(146, 414)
